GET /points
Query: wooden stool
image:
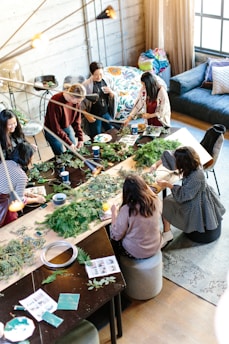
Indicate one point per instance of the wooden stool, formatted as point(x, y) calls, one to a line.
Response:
point(206, 237)
point(143, 276)
point(85, 333)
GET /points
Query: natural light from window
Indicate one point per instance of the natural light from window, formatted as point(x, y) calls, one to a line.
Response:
point(212, 26)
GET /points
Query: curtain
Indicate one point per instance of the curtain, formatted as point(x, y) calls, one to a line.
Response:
point(169, 24)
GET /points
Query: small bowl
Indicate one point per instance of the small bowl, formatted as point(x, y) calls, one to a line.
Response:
point(59, 199)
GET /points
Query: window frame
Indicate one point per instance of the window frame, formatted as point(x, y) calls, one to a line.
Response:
point(220, 17)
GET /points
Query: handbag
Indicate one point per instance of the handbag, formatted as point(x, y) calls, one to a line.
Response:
point(4, 205)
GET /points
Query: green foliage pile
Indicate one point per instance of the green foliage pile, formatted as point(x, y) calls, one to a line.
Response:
point(149, 153)
point(16, 254)
point(73, 219)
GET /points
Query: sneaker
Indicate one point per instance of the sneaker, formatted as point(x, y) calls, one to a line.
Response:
point(167, 237)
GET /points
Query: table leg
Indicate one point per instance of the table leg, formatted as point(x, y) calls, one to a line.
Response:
point(119, 314)
point(35, 140)
point(112, 321)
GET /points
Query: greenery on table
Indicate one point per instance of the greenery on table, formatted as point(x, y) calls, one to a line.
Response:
point(101, 187)
point(18, 253)
point(97, 284)
point(151, 152)
point(73, 219)
point(114, 152)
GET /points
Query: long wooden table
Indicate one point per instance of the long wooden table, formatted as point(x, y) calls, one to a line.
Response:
point(28, 221)
point(29, 280)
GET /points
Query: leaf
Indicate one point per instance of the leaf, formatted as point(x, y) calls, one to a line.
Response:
point(83, 257)
point(53, 277)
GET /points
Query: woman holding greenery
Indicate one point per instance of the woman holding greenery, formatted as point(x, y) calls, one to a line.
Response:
point(135, 229)
point(17, 164)
point(152, 102)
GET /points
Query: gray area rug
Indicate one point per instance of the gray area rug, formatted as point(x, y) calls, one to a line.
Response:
point(202, 268)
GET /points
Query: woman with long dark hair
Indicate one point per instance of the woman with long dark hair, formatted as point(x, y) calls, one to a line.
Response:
point(136, 227)
point(193, 205)
point(10, 131)
point(152, 102)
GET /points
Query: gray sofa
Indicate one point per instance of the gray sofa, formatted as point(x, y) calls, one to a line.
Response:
point(188, 97)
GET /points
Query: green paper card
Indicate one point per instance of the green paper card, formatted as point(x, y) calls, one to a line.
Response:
point(52, 319)
point(68, 301)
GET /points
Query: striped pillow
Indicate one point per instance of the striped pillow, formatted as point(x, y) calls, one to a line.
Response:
point(220, 77)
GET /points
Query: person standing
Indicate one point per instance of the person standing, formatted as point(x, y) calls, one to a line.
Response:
point(135, 228)
point(153, 102)
point(106, 105)
point(65, 122)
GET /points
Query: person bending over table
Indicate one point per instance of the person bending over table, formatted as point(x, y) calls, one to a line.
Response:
point(17, 164)
point(11, 133)
point(135, 228)
point(153, 100)
point(64, 122)
point(106, 105)
point(193, 205)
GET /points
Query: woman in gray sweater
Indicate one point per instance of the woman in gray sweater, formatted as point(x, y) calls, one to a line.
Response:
point(193, 205)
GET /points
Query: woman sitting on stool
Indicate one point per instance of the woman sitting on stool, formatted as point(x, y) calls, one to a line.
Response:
point(194, 205)
point(136, 228)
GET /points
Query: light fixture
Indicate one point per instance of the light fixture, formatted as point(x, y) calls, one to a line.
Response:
point(39, 39)
point(108, 13)
point(16, 204)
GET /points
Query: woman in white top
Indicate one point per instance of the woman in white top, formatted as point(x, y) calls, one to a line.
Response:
point(153, 101)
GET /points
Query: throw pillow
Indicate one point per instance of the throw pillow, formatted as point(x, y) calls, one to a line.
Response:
point(207, 85)
point(217, 63)
point(220, 76)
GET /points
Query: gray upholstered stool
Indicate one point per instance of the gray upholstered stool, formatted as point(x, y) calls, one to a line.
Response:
point(84, 333)
point(143, 276)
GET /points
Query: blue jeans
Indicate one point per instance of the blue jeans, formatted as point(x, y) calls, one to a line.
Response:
point(57, 146)
point(96, 127)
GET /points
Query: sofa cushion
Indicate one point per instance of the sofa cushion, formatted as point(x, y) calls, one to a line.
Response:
point(220, 76)
point(201, 104)
point(188, 80)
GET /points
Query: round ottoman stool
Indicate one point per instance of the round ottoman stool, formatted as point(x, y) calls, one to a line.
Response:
point(84, 333)
point(206, 237)
point(143, 276)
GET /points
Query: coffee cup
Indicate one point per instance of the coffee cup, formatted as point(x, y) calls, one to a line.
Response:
point(103, 88)
point(96, 151)
point(134, 129)
point(65, 177)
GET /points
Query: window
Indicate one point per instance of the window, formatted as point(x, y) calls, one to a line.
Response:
point(212, 26)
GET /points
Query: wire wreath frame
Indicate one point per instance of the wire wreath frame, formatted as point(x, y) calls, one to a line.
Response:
point(52, 245)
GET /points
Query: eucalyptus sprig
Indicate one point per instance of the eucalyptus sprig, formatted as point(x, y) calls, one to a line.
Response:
point(95, 284)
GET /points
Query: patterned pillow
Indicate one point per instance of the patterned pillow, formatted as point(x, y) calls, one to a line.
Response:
point(127, 83)
point(220, 76)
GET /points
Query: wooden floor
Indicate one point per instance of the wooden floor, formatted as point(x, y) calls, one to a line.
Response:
point(175, 316)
